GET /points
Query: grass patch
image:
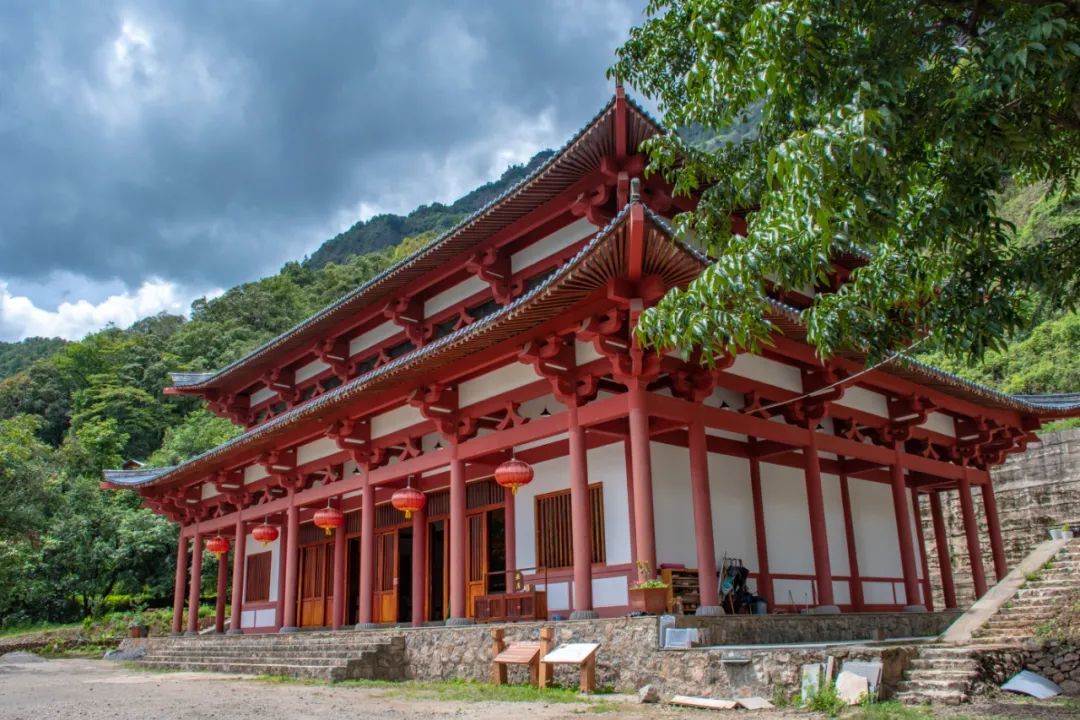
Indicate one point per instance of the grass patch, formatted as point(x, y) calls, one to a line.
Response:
point(459, 691)
point(890, 710)
point(1033, 576)
point(91, 651)
point(34, 628)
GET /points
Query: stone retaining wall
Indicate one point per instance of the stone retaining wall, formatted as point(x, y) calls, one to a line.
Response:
point(1055, 661)
point(849, 627)
point(630, 656)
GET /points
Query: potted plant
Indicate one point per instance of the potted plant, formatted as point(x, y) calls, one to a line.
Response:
point(137, 627)
point(650, 594)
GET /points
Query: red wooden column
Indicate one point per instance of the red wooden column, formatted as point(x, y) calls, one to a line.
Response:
point(941, 543)
point(993, 527)
point(239, 556)
point(178, 587)
point(764, 578)
point(367, 553)
point(580, 516)
point(195, 584)
point(292, 565)
point(928, 593)
point(855, 584)
point(641, 462)
point(419, 566)
point(819, 536)
point(340, 550)
point(222, 589)
point(510, 528)
point(971, 533)
point(898, 484)
point(283, 541)
point(703, 524)
point(458, 540)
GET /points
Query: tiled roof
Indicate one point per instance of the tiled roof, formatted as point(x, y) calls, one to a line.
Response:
point(580, 155)
point(134, 478)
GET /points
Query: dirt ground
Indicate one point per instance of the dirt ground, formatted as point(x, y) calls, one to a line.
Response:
point(100, 690)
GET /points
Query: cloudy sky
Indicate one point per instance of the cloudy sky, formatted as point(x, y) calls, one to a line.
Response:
point(156, 152)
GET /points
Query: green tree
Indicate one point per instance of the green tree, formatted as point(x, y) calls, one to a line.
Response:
point(890, 127)
point(200, 431)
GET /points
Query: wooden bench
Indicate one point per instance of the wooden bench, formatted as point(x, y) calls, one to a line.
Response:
point(581, 654)
point(517, 653)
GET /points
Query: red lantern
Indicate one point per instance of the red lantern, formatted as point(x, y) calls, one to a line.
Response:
point(513, 474)
point(408, 500)
point(265, 534)
point(329, 518)
point(218, 546)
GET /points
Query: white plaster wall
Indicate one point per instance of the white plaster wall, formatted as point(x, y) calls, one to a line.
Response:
point(207, 491)
point(834, 526)
point(610, 592)
point(509, 376)
point(585, 352)
point(264, 617)
point(865, 400)
point(315, 450)
point(311, 370)
point(254, 473)
point(941, 423)
point(261, 395)
point(551, 244)
point(768, 371)
point(394, 420)
point(606, 465)
point(732, 510)
point(453, 295)
point(673, 505)
point(787, 522)
point(876, 545)
point(373, 336)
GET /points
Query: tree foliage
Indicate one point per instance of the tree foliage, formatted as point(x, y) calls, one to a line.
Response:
point(20, 355)
point(886, 127)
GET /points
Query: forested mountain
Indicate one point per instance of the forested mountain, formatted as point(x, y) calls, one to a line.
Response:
point(69, 409)
point(20, 355)
point(387, 230)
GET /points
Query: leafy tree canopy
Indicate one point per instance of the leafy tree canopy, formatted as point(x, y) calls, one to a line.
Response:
point(888, 126)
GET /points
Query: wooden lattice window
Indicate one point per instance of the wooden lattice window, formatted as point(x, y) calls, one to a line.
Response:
point(257, 586)
point(554, 536)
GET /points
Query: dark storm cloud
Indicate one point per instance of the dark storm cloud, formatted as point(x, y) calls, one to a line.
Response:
point(208, 142)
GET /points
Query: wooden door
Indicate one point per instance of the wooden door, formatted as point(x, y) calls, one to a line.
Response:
point(316, 585)
point(385, 603)
point(476, 561)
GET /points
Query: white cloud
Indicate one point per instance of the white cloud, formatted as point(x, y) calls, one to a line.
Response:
point(21, 318)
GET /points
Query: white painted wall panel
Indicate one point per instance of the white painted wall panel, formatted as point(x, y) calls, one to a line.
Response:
point(252, 547)
point(373, 336)
point(787, 521)
point(768, 371)
point(207, 491)
point(834, 526)
point(394, 420)
point(314, 450)
point(509, 376)
point(261, 395)
point(610, 592)
point(585, 352)
point(875, 529)
point(672, 505)
point(797, 592)
point(254, 473)
point(865, 400)
point(940, 423)
point(732, 510)
point(550, 245)
point(454, 295)
point(311, 370)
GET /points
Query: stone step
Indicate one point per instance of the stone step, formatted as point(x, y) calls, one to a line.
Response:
point(923, 697)
point(945, 651)
point(921, 663)
point(301, 672)
point(940, 678)
point(261, 646)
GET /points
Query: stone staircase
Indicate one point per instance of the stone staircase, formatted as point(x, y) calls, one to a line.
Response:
point(939, 674)
point(1036, 602)
point(306, 655)
point(948, 674)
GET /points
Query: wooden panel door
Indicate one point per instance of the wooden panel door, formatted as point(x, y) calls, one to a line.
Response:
point(476, 561)
point(384, 608)
point(315, 596)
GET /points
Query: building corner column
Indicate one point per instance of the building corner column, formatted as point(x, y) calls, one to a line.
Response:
point(993, 528)
point(703, 522)
point(580, 516)
point(239, 555)
point(971, 534)
point(292, 566)
point(941, 544)
point(179, 586)
point(195, 583)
